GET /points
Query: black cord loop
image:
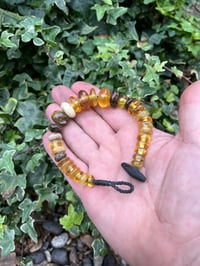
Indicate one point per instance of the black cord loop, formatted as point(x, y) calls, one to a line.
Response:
point(116, 185)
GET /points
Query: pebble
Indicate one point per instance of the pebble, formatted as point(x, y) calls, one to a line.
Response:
point(109, 260)
point(73, 256)
point(98, 261)
point(87, 240)
point(87, 262)
point(38, 256)
point(52, 227)
point(48, 255)
point(60, 240)
point(59, 256)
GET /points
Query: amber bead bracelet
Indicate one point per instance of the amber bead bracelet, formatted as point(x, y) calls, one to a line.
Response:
point(103, 99)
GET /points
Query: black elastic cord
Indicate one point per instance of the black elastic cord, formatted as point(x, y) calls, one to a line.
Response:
point(116, 185)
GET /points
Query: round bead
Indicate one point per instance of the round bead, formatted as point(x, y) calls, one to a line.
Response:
point(54, 136)
point(54, 128)
point(75, 103)
point(114, 98)
point(68, 109)
point(104, 98)
point(84, 100)
point(59, 156)
point(121, 101)
point(93, 98)
point(60, 118)
point(128, 102)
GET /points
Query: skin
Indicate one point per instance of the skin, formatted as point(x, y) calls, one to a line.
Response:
point(159, 223)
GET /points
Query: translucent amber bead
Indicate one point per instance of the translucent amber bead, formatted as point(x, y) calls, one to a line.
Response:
point(60, 118)
point(134, 107)
point(57, 146)
point(141, 151)
point(90, 181)
point(146, 119)
point(137, 164)
point(144, 138)
point(138, 158)
point(75, 103)
point(145, 129)
point(114, 98)
point(93, 98)
point(84, 100)
point(142, 114)
point(104, 98)
point(122, 101)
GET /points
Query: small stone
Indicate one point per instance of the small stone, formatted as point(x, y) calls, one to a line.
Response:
point(37, 256)
point(109, 260)
point(87, 240)
point(52, 227)
point(73, 256)
point(36, 247)
point(60, 240)
point(48, 255)
point(98, 261)
point(80, 245)
point(59, 256)
point(87, 262)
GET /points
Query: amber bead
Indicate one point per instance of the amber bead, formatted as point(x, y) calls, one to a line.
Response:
point(137, 164)
point(54, 128)
point(57, 146)
point(142, 114)
point(60, 118)
point(145, 129)
point(133, 107)
point(128, 102)
point(59, 156)
point(93, 98)
point(104, 98)
point(114, 98)
point(75, 103)
point(84, 100)
point(144, 138)
point(141, 151)
point(122, 101)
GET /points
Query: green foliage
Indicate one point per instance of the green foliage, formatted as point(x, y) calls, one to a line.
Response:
point(148, 49)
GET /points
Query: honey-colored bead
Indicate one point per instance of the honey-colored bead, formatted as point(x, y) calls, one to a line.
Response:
point(122, 101)
point(144, 138)
point(138, 158)
point(104, 98)
point(93, 98)
point(60, 118)
point(141, 151)
point(84, 100)
point(137, 164)
point(57, 146)
point(90, 181)
point(142, 114)
point(75, 103)
point(145, 129)
point(147, 119)
point(135, 107)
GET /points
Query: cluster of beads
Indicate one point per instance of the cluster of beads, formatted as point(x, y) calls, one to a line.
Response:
point(85, 101)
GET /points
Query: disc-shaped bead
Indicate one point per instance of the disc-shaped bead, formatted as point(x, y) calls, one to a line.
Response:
point(104, 98)
point(68, 109)
point(60, 118)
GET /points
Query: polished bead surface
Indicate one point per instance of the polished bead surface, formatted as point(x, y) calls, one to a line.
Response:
point(114, 98)
point(54, 136)
point(128, 102)
point(93, 98)
point(122, 101)
point(57, 146)
point(84, 100)
point(59, 156)
point(75, 103)
point(54, 128)
point(104, 98)
point(68, 109)
point(60, 118)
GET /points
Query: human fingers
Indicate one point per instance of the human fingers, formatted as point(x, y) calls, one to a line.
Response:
point(189, 118)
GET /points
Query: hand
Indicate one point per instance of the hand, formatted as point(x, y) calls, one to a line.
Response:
point(159, 223)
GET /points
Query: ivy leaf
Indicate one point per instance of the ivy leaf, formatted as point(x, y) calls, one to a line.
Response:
point(27, 207)
point(34, 162)
point(99, 247)
point(72, 218)
point(7, 241)
point(10, 106)
point(114, 14)
point(6, 41)
point(6, 161)
point(29, 229)
point(100, 10)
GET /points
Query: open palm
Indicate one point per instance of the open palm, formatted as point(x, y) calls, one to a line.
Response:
point(159, 223)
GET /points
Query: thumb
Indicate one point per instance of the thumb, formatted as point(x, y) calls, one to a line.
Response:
point(189, 114)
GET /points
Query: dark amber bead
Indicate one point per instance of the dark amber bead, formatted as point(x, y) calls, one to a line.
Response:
point(59, 156)
point(84, 100)
point(121, 101)
point(128, 102)
point(93, 98)
point(60, 118)
point(114, 98)
point(104, 98)
point(54, 128)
